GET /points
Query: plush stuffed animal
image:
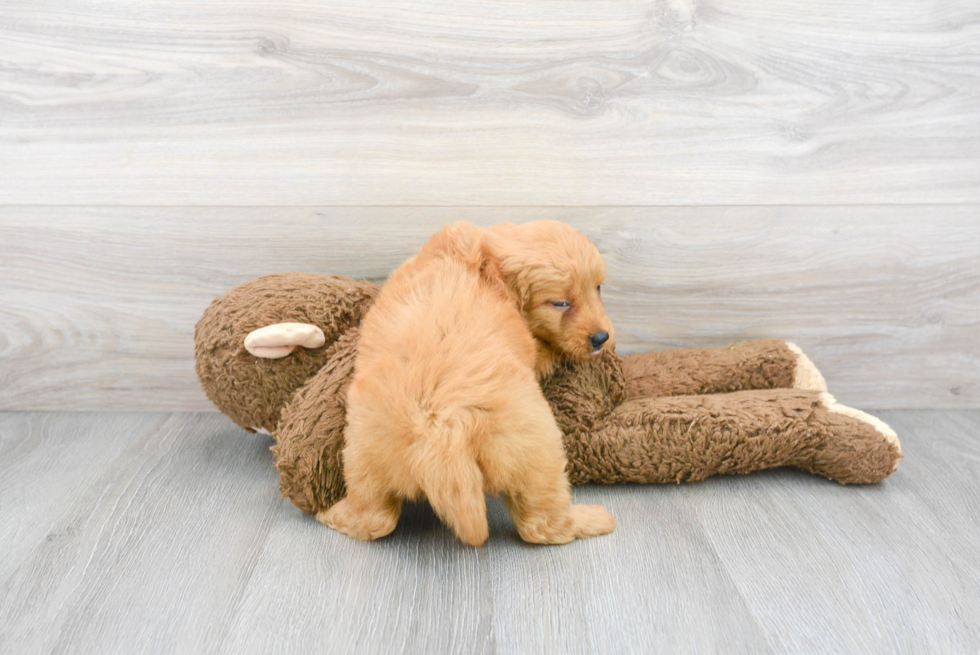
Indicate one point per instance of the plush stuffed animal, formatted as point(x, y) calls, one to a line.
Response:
point(276, 355)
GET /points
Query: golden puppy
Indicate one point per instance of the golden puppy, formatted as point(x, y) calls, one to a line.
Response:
point(445, 401)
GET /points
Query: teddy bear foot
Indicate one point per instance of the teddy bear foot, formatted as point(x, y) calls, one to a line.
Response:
point(831, 404)
point(857, 448)
point(806, 375)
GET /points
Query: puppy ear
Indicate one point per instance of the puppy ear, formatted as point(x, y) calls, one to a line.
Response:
point(482, 251)
point(493, 278)
point(512, 284)
point(459, 241)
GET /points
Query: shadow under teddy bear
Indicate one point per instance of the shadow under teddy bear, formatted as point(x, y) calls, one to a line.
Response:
point(669, 416)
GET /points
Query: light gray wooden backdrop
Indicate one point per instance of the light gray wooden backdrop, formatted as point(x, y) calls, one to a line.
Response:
point(764, 168)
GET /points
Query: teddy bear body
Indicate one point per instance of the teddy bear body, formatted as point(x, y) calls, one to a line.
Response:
point(657, 417)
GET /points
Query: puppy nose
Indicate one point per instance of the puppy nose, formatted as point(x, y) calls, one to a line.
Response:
point(598, 339)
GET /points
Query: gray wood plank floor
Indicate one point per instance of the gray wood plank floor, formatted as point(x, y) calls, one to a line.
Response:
point(164, 533)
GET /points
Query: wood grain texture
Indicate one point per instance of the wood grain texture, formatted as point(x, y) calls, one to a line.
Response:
point(882, 557)
point(40, 453)
point(175, 541)
point(680, 102)
point(98, 305)
point(429, 594)
point(131, 563)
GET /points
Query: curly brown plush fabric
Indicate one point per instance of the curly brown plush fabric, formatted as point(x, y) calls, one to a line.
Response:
point(659, 417)
point(758, 364)
point(614, 434)
point(253, 391)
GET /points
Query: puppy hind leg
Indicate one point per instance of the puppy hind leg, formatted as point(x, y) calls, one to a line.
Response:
point(592, 521)
point(538, 494)
point(453, 484)
point(363, 518)
point(546, 515)
point(371, 509)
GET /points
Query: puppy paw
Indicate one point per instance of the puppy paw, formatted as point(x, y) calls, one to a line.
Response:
point(592, 521)
point(580, 522)
point(360, 525)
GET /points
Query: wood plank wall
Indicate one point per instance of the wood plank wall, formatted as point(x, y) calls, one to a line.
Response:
point(751, 168)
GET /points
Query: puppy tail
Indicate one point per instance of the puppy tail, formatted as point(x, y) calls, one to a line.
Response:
point(452, 481)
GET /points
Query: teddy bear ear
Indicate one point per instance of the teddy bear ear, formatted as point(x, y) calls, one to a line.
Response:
point(278, 340)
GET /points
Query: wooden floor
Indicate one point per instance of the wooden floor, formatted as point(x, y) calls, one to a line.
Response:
point(164, 533)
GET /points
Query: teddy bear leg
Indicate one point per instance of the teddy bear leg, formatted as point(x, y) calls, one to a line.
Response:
point(805, 374)
point(310, 433)
point(756, 364)
point(683, 438)
point(855, 447)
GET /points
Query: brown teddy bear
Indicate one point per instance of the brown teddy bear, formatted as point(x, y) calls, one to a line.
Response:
point(276, 355)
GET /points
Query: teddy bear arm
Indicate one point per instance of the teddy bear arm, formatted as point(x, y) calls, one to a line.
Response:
point(686, 438)
point(756, 364)
point(310, 434)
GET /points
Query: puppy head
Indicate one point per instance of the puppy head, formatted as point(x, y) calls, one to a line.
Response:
point(555, 273)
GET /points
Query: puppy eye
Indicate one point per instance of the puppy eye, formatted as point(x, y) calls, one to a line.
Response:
point(598, 289)
point(560, 304)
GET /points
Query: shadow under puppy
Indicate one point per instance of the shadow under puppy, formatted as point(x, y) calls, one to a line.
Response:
point(445, 402)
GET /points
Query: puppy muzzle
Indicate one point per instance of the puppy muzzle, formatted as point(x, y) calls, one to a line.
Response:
point(597, 339)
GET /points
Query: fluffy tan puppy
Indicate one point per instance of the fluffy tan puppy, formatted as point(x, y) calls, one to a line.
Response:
point(445, 402)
